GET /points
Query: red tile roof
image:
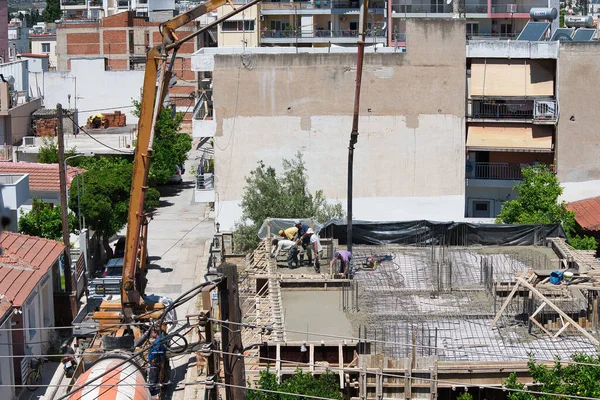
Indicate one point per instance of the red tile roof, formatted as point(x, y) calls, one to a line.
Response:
point(42, 177)
point(25, 260)
point(587, 213)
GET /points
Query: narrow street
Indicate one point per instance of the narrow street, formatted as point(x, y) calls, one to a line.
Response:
point(176, 239)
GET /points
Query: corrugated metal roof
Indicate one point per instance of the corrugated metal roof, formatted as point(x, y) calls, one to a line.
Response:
point(25, 260)
point(587, 213)
point(42, 177)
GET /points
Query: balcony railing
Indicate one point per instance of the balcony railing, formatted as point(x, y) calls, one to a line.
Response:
point(323, 33)
point(515, 8)
point(123, 4)
point(355, 4)
point(493, 36)
point(95, 3)
point(73, 2)
point(495, 170)
point(399, 37)
point(537, 110)
point(399, 6)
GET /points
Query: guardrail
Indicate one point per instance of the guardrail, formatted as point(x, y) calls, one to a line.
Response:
point(537, 110)
point(483, 170)
point(514, 8)
point(299, 33)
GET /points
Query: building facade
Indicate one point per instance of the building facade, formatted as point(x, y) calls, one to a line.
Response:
point(320, 23)
point(3, 31)
point(18, 38)
point(446, 146)
point(409, 160)
point(45, 43)
point(98, 9)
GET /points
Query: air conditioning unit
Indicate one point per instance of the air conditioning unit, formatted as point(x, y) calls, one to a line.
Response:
point(29, 141)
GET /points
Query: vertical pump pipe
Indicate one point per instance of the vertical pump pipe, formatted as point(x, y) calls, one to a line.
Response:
point(364, 8)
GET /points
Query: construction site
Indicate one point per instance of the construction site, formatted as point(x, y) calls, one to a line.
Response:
point(438, 314)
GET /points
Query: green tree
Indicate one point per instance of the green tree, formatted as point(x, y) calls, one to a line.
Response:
point(45, 221)
point(324, 385)
point(48, 153)
point(170, 145)
point(537, 203)
point(104, 198)
point(287, 196)
point(52, 11)
point(581, 378)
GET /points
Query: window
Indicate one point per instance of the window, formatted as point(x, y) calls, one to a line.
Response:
point(353, 25)
point(45, 47)
point(237, 26)
point(472, 28)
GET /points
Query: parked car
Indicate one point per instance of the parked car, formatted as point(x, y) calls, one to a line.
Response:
point(113, 268)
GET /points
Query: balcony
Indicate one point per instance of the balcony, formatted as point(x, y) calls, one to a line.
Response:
point(536, 111)
point(319, 34)
point(69, 3)
point(495, 170)
point(399, 7)
point(123, 4)
point(95, 3)
point(515, 8)
point(355, 4)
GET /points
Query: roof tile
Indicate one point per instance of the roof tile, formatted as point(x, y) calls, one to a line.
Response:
point(43, 177)
point(25, 260)
point(587, 213)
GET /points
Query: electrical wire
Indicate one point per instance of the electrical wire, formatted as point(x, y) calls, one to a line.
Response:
point(270, 327)
point(387, 375)
point(103, 144)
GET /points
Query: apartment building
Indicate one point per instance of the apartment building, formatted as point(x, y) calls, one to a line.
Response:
point(440, 138)
point(18, 38)
point(320, 23)
point(4, 31)
point(123, 40)
point(98, 9)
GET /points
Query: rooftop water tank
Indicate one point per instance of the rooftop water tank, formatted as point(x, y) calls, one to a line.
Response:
point(579, 21)
point(543, 14)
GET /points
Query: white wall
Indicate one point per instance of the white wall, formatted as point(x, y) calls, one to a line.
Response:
point(6, 362)
point(400, 172)
point(575, 191)
point(94, 88)
point(16, 194)
point(36, 48)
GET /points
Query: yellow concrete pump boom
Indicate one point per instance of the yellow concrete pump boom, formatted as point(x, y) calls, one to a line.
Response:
point(153, 94)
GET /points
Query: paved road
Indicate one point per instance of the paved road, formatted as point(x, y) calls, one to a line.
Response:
point(176, 239)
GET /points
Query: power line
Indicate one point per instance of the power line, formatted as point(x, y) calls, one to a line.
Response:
point(269, 327)
point(103, 144)
point(453, 383)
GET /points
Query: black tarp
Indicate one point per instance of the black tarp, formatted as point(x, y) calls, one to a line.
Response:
point(432, 232)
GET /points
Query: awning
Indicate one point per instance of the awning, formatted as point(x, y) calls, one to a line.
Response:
point(511, 78)
point(502, 138)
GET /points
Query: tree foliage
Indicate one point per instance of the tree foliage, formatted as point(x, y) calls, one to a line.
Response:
point(52, 11)
point(48, 153)
point(324, 385)
point(537, 203)
point(268, 194)
point(45, 221)
point(579, 379)
point(170, 145)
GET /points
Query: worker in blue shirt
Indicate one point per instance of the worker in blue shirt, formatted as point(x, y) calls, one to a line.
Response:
point(304, 241)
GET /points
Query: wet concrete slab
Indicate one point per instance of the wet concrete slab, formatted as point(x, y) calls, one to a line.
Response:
point(316, 312)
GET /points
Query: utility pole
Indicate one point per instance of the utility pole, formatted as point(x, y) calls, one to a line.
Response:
point(364, 9)
point(231, 337)
point(62, 172)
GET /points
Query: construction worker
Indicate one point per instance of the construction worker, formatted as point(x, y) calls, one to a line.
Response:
point(344, 256)
point(304, 239)
point(288, 233)
point(315, 245)
point(287, 245)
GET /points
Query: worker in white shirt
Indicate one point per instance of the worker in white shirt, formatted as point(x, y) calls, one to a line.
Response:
point(289, 246)
point(315, 245)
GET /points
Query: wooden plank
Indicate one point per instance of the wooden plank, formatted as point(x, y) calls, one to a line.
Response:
point(508, 299)
point(538, 310)
point(558, 310)
point(561, 330)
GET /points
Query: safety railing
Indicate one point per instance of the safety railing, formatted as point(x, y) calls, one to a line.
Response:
point(515, 8)
point(496, 170)
point(73, 2)
point(324, 33)
point(501, 110)
point(355, 4)
point(401, 6)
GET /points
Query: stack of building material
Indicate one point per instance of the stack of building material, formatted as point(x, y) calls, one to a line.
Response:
point(45, 127)
point(116, 119)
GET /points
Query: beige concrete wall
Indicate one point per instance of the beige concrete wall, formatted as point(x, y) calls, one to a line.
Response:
point(577, 144)
point(411, 143)
point(229, 39)
point(20, 119)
